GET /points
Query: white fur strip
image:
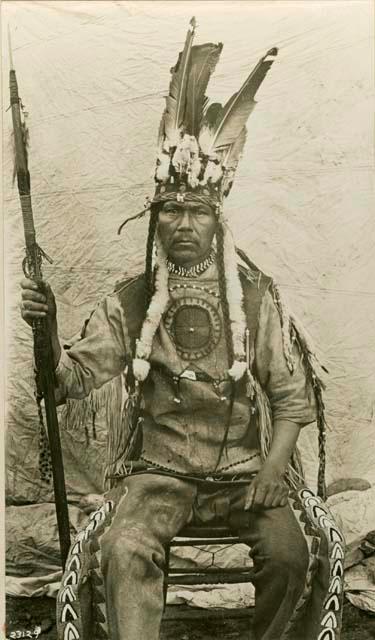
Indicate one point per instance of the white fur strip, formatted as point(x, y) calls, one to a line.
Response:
point(235, 296)
point(155, 311)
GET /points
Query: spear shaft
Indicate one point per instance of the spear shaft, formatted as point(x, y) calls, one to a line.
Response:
point(45, 376)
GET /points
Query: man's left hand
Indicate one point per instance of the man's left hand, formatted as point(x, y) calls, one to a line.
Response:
point(268, 489)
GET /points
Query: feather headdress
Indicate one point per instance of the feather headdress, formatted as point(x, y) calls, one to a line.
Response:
point(199, 146)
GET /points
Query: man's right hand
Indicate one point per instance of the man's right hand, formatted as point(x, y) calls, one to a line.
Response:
point(36, 304)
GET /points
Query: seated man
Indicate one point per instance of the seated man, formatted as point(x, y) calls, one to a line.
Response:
point(219, 383)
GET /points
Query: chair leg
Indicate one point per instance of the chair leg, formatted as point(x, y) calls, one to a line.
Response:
point(166, 573)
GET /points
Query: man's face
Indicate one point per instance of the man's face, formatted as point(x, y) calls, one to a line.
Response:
point(186, 230)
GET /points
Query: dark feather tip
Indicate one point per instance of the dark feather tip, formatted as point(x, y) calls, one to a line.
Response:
point(272, 52)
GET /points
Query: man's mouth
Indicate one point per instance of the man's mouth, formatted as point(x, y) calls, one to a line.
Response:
point(184, 242)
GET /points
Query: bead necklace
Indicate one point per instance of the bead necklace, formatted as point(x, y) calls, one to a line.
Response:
point(194, 271)
point(196, 287)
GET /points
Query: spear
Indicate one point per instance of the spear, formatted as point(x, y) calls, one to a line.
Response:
point(32, 266)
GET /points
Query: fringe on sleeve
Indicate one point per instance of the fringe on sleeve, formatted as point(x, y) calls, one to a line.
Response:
point(121, 411)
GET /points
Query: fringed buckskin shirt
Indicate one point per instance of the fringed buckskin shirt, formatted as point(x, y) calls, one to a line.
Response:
point(187, 394)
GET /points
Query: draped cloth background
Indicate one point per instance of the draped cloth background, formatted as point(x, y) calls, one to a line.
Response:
point(92, 76)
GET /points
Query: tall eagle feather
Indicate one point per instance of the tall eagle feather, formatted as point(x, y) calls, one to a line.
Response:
point(219, 135)
point(176, 100)
point(203, 62)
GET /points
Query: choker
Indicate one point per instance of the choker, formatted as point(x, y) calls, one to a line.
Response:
point(194, 271)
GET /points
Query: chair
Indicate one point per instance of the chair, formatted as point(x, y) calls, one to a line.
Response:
point(195, 536)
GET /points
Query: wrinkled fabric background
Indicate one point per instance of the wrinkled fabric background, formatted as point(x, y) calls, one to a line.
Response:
point(92, 76)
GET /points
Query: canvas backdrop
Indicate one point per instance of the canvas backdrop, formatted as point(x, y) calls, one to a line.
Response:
point(92, 77)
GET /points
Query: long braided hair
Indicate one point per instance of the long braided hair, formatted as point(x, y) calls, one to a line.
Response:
point(149, 272)
point(227, 329)
point(223, 292)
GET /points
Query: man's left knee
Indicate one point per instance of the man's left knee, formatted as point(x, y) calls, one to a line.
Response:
point(294, 563)
point(289, 558)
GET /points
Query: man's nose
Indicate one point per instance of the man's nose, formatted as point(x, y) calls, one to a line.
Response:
point(185, 220)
